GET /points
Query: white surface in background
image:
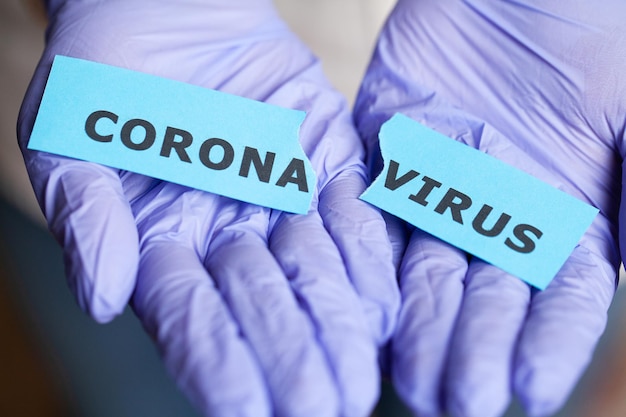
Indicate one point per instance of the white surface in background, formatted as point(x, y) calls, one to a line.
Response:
point(342, 33)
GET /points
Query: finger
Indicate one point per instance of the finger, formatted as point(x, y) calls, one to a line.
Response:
point(431, 281)
point(310, 259)
point(360, 233)
point(89, 215)
point(328, 138)
point(262, 302)
point(399, 234)
point(483, 345)
point(563, 326)
point(198, 339)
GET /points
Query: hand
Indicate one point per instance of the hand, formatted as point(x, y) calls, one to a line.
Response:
point(255, 313)
point(538, 86)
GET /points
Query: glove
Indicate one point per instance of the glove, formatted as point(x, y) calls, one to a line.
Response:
point(254, 312)
point(538, 85)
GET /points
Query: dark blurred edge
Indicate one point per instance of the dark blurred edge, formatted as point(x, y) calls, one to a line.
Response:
point(56, 361)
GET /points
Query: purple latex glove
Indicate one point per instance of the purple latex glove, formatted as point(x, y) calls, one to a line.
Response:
point(255, 312)
point(541, 86)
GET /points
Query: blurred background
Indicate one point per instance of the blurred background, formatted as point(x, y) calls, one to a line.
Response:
point(54, 361)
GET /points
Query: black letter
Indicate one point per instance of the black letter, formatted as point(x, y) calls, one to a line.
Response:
point(169, 143)
point(529, 245)
point(429, 185)
point(227, 159)
point(392, 181)
point(296, 174)
point(479, 222)
point(90, 125)
point(455, 208)
point(148, 139)
point(263, 169)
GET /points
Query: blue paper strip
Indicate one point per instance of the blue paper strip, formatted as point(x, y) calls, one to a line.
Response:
point(442, 186)
point(201, 138)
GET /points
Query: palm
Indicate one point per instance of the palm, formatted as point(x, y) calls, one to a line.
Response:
point(255, 312)
point(518, 82)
